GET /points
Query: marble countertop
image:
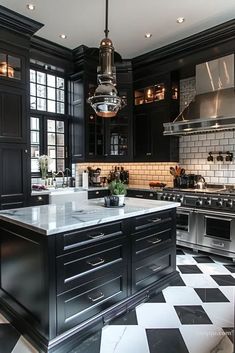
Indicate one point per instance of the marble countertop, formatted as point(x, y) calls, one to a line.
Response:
point(52, 219)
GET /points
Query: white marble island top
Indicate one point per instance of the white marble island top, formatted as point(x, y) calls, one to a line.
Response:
point(52, 219)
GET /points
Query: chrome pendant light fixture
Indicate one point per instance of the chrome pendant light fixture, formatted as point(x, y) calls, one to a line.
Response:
point(106, 101)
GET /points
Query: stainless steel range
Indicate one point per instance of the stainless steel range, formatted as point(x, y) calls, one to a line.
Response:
point(206, 218)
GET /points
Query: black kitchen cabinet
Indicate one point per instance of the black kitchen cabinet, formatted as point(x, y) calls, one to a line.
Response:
point(93, 194)
point(83, 277)
point(152, 109)
point(142, 194)
point(153, 249)
point(14, 160)
point(149, 142)
point(94, 138)
point(38, 200)
point(13, 117)
point(14, 110)
point(90, 280)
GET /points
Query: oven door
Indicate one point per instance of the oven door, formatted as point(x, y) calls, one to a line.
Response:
point(216, 230)
point(186, 227)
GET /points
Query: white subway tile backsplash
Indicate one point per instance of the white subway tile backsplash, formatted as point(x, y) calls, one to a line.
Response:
point(214, 142)
point(196, 160)
point(223, 142)
point(228, 134)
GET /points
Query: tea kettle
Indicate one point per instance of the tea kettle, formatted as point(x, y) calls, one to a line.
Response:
point(201, 183)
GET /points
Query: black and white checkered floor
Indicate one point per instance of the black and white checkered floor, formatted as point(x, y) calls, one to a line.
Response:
point(195, 315)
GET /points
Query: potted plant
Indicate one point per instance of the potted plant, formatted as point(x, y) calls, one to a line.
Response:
point(117, 188)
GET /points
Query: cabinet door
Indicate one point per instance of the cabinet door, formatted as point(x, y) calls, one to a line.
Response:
point(76, 109)
point(95, 136)
point(164, 148)
point(142, 137)
point(13, 117)
point(13, 179)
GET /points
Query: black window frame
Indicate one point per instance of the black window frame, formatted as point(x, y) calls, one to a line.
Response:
point(44, 116)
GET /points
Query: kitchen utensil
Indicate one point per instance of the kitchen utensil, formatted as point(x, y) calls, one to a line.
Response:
point(172, 171)
point(156, 184)
point(182, 171)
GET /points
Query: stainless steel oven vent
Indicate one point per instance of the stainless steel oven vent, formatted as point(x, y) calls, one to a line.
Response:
point(213, 108)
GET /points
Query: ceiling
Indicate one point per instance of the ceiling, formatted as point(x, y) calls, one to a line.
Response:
point(83, 21)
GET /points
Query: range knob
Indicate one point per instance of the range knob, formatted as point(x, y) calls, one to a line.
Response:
point(198, 202)
point(208, 201)
point(166, 197)
point(172, 197)
point(163, 197)
point(229, 203)
point(219, 203)
point(179, 198)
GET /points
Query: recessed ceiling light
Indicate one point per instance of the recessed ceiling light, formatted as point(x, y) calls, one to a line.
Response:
point(180, 20)
point(30, 7)
point(148, 35)
point(63, 36)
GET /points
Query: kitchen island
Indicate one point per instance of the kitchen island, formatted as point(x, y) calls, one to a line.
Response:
point(68, 269)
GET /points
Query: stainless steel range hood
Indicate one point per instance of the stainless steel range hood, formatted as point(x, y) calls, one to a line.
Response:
point(213, 108)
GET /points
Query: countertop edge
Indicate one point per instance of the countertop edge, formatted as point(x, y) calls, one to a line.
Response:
point(108, 219)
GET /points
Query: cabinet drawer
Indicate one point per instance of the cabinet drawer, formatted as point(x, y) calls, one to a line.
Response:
point(97, 193)
point(152, 240)
point(72, 240)
point(38, 200)
point(153, 219)
point(142, 194)
point(83, 266)
point(78, 305)
point(152, 268)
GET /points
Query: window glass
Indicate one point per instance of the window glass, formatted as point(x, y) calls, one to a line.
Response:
point(50, 88)
point(41, 78)
point(51, 138)
point(51, 80)
point(41, 91)
point(32, 76)
point(51, 125)
point(51, 93)
point(60, 83)
point(41, 104)
point(51, 106)
point(60, 126)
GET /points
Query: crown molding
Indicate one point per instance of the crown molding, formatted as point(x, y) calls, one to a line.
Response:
point(213, 36)
point(13, 21)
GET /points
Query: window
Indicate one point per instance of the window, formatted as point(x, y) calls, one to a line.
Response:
point(47, 92)
point(47, 137)
point(48, 121)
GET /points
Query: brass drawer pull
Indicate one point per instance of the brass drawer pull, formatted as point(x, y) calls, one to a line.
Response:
point(155, 220)
point(96, 236)
point(154, 268)
point(97, 297)
point(156, 241)
point(96, 262)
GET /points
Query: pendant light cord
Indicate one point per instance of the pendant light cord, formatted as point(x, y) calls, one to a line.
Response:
point(106, 31)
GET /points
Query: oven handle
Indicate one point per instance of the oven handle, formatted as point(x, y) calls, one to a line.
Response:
point(181, 210)
point(219, 218)
point(213, 213)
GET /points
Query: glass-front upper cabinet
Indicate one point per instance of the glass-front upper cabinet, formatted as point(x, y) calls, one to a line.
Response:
point(10, 66)
point(166, 89)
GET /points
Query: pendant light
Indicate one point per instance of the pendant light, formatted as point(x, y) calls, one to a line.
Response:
point(106, 101)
